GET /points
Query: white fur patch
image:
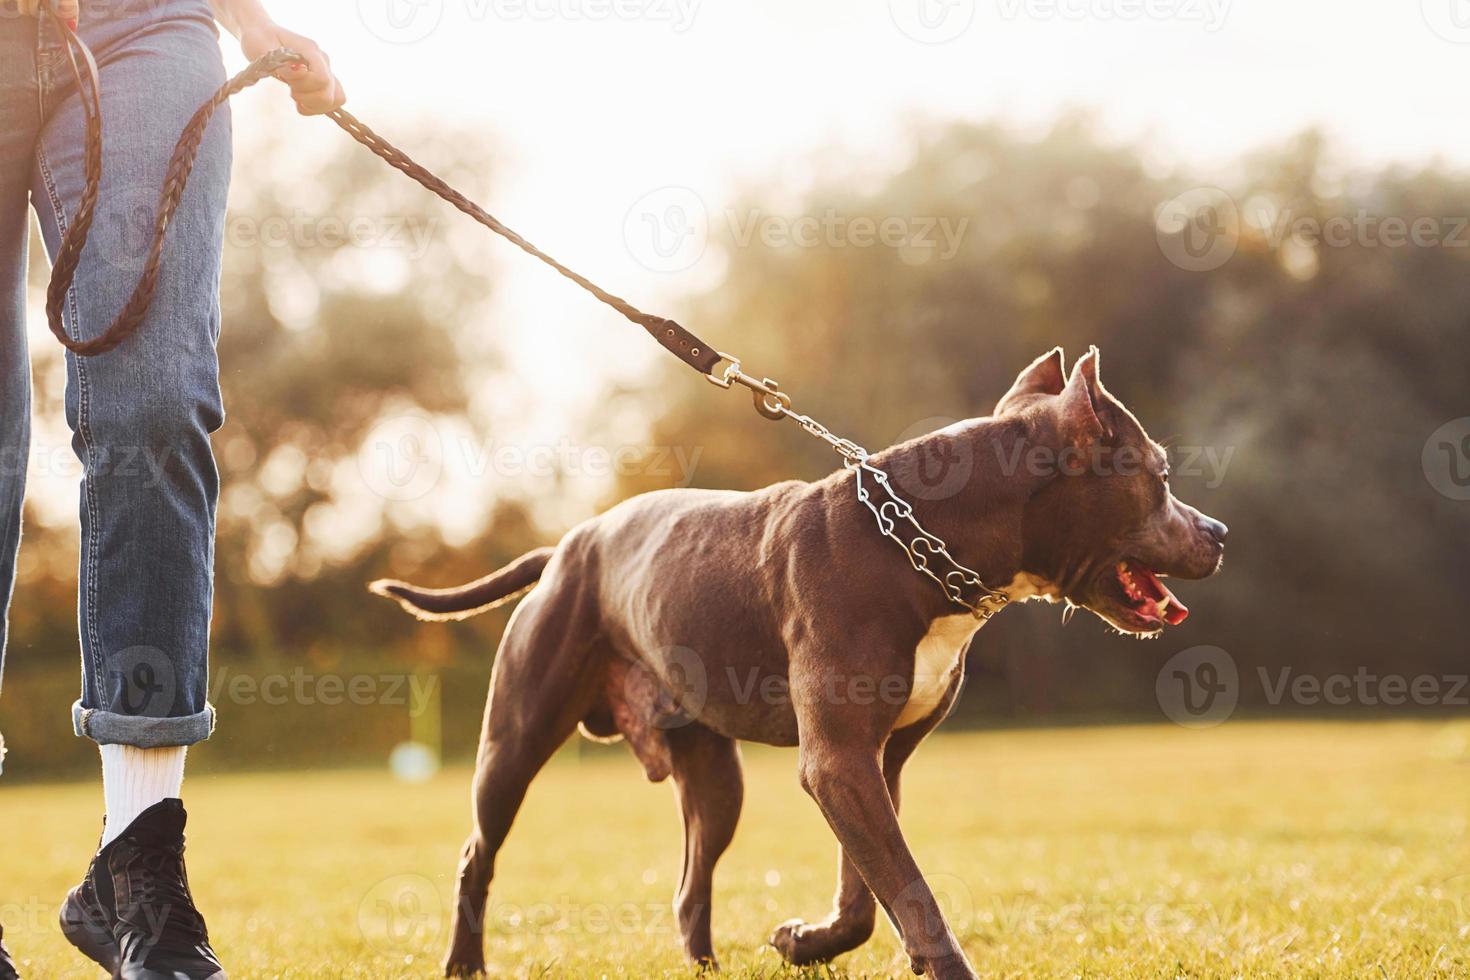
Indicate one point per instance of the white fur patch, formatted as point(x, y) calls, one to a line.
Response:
point(939, 651)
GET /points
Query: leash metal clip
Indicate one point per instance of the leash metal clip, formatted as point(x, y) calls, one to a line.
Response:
point(770, 401)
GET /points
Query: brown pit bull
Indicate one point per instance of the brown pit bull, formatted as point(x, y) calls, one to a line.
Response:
point(686, 620)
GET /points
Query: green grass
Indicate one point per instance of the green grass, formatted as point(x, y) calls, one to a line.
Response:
point(1251, 850)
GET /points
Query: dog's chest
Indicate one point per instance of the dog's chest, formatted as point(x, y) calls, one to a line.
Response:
point(935, 660)
point(937, 656)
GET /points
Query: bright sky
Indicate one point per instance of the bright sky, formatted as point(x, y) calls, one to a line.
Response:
point(599, 103)
point(618, 118)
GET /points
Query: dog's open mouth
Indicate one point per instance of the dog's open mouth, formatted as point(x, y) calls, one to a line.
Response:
point(1148, 598)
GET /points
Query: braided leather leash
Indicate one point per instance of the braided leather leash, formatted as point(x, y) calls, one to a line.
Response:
point(889, 509)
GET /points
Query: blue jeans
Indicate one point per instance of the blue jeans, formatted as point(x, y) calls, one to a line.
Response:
point(140, 415)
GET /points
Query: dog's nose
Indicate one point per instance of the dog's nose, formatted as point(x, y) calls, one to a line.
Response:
point(1216, 529)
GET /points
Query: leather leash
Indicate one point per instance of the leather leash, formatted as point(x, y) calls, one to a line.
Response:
point(889, 509)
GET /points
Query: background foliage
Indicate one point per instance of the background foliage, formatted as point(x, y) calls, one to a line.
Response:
point(1315, 372)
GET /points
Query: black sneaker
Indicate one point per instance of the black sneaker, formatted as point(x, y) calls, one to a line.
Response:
point(86, 925)
point(8, 969)
point(138, 889)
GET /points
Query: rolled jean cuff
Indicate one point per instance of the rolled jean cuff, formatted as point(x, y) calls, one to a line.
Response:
point(110, 728)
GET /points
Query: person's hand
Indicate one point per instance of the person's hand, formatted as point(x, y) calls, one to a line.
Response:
point(314, 87)
point(69, 10)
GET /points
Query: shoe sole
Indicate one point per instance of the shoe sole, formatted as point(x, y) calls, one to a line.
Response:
point(94, 941)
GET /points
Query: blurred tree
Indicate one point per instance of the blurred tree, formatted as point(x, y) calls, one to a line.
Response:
point(1314, 375)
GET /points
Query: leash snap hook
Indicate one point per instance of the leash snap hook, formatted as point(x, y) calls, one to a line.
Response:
point(770, 400)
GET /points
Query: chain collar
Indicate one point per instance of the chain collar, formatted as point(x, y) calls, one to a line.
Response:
point(926, 551)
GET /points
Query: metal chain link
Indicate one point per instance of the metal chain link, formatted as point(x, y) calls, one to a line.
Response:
point(919, 544)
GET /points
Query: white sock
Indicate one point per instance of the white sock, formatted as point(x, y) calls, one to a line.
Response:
point(134, 779)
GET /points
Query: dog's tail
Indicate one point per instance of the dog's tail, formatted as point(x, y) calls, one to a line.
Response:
point(443, 605)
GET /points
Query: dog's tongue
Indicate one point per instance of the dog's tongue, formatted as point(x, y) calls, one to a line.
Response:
point(1166, 604)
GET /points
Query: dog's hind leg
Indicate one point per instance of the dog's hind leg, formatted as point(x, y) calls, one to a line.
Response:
point(706, 769)
point(539, 690)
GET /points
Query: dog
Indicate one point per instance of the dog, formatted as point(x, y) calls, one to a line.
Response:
point(684, 621)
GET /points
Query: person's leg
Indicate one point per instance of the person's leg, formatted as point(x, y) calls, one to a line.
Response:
point(19, 110)
point(141, 417)
point(22, 115)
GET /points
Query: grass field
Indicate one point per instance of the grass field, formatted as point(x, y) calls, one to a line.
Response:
point(1251, 850)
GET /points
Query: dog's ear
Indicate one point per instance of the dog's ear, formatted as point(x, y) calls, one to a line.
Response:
point(1043, 377)
point(1081, 406)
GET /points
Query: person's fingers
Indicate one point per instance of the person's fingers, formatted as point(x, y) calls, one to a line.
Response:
point(317, 90)
point(323, 101)
point(316, 74)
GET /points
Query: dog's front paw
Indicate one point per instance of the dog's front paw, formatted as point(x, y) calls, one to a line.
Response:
point(464, 968)
point(784, 939)
point(951, 967)
point(800, 943)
